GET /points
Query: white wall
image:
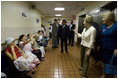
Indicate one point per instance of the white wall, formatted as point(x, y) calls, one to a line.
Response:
point(90, 7)
point(13, 24)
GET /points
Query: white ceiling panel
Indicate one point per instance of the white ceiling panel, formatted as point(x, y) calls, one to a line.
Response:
point(71, 7)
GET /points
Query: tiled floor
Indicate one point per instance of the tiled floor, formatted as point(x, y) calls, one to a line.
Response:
point(65, 65)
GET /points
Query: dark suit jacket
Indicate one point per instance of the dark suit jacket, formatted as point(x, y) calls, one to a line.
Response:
point(63, 32)
point(71, 32)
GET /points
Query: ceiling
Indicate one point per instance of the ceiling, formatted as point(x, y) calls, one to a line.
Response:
point(71, 7)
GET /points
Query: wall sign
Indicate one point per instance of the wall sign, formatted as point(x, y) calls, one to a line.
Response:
point(50, 22)
point(37, 20)
point(24, 15)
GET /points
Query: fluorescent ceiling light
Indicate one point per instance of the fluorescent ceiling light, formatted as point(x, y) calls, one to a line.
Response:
point(57, 14)
point(59, 4)
point(95, 11)
point(59, 9)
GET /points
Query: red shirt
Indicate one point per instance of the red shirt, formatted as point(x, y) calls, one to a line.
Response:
point(15, 50)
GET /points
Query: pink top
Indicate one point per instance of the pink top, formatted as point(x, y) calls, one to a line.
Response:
point(27, 47)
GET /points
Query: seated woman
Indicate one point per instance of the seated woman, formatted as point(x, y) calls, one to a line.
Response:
point(35, 46)
point(21, 61)
point(26, 46)
point(42, 40)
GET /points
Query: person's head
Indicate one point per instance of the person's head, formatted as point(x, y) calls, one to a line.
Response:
point(55, 20)
point(35, 36)
point(29, 35)
point(40, 32)
point(108, 17)
point(71, 21)
point(9, 41)
point(63, 22)
point(88, 21)
point(42, 25)
point(22, 37)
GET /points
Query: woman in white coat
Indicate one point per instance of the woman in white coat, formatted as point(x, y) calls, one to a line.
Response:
point(87, 43)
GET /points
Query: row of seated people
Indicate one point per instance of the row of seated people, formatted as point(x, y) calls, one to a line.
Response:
point(42, 39)
point(27, 54)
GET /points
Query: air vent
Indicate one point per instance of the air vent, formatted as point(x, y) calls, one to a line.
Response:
point(33, 6)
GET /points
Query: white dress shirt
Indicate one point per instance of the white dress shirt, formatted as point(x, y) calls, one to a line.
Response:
point(70, 26)
point(50, 29)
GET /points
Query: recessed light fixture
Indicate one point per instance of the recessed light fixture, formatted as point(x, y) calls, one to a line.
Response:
point(59, 9)
point(57, 14)
point(59, 4)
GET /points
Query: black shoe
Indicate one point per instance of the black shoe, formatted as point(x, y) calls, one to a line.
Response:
point(53, 47)
point(56, 46)
point(72, 44)
point(61, 51)
point(66, 51)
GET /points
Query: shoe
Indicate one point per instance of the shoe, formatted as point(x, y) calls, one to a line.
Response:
point(42, 59)
point(33, 73)
point(72, 45)
point(61, 51)
point(56, 46)
point(80, 68)
point(66, 51)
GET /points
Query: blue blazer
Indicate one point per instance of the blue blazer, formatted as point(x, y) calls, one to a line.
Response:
point(109, 37)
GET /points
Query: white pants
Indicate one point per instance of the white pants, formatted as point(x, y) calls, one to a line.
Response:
point(42, 51)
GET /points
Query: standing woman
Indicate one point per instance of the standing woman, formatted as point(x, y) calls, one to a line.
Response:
point(87, 43)
point(108, 38)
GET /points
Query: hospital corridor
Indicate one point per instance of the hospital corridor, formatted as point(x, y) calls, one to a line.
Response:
point(59, 39)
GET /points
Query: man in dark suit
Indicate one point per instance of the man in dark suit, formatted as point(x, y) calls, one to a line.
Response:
point(63, 33)
point(71, 33)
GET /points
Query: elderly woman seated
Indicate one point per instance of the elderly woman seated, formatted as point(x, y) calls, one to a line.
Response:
point(35, 46)
point(42, 39)
point(21, 61)
point(27, 47)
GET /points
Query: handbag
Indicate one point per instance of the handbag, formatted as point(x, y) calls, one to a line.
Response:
point(111, 68)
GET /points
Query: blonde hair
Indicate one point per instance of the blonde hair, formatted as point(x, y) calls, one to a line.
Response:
point(109, 16)
point(88, 19)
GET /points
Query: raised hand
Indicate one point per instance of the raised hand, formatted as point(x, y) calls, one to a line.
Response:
point(75, 32)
